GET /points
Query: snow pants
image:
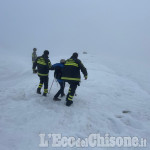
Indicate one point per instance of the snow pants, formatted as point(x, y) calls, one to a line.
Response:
point(71, 92)
point(61, 91)
point(43, 80)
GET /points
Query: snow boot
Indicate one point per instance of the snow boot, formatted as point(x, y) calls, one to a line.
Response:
point(38, 90)
point(68, 103)
point(45, 94)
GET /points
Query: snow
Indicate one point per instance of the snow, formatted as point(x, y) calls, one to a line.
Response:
point(97, 108)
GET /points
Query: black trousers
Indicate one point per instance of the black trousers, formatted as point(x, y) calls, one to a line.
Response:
point(61, 90)
point(44, 80)
point(71, 92)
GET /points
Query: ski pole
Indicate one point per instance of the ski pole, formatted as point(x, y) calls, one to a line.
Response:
point(51, 86)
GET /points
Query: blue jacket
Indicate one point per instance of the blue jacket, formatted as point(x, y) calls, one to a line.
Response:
point(58, 67)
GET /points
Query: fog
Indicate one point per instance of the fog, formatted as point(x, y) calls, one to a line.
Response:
point(75, 25)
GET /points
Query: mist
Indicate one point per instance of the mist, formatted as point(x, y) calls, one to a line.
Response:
point(77, 25)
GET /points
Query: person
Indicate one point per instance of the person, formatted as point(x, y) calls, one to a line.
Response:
point(58, 67)
point(34, 57)
point(43, 65)
point(71, 74)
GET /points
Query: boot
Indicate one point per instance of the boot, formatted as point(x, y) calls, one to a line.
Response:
point(56, 99)
point(38, 90)
point(68, 103)
point(45, 94)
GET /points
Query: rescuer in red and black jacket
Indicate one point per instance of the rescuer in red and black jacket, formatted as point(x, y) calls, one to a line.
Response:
point(71, 74)
point(43, 65)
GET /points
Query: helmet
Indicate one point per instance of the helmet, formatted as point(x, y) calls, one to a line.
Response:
point(62, 61)
point(75, 55)
point(46, 52)
point(34, 49)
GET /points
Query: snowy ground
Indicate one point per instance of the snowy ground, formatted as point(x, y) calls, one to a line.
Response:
point(97, 107)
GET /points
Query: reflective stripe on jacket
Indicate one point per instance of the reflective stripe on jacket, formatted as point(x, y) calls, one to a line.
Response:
point(43, 65)
point(71, 70)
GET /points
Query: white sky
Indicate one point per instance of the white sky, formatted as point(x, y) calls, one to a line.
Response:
point(74, 25)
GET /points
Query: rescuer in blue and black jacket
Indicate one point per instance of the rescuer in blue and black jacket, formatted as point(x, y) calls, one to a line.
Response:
point(71, 74)
point(58, 67)
point(43, 65)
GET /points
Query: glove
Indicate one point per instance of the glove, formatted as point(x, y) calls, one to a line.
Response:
point(85, 77)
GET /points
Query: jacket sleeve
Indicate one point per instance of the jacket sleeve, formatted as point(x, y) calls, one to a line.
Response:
point(52, 67)
point(83, 69)
point(49, 64)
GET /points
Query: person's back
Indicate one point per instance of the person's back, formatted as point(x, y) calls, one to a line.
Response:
point(71, 71)
point(43, 65)
point(58, 67)
point(71, 74)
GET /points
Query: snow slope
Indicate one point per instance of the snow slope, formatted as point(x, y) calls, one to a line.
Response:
point(97, 107)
